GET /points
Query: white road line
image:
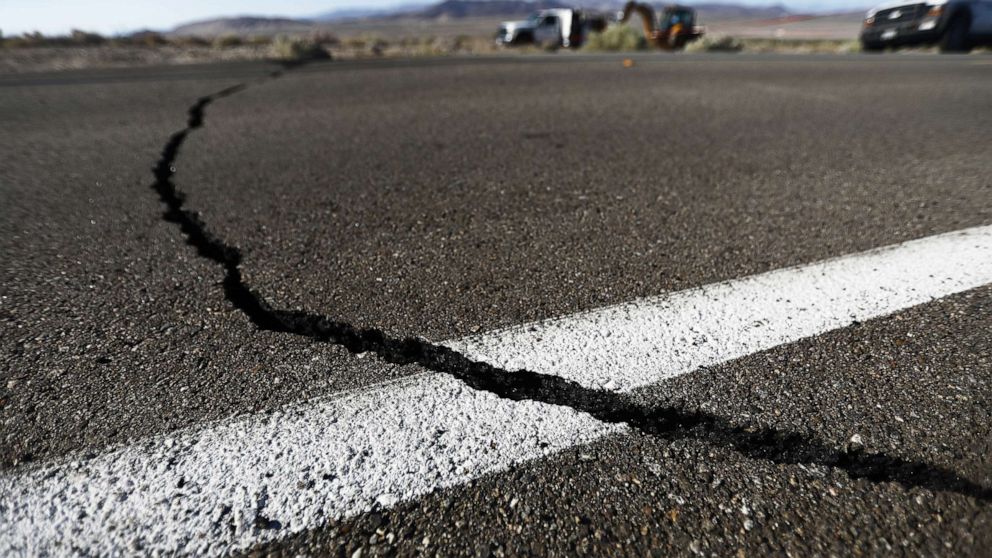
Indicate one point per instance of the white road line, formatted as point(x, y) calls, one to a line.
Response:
point(645, 341)
point(200, 492)
point(215, 488)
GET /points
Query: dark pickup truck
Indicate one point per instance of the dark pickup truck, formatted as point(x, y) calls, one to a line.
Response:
point(952, 25)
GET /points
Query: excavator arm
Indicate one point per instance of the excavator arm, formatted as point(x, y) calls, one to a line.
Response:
point(647, 17)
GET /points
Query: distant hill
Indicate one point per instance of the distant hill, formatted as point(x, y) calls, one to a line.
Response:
point(486, 8)
point(342, 14)
point(714, 11)
point(455, 9)
point(452, 10)
point(244, 26)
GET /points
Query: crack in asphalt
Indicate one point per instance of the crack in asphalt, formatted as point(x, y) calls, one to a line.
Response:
point(668, 423)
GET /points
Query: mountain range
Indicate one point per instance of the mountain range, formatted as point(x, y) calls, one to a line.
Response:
point(487, 8)
point(449, 10)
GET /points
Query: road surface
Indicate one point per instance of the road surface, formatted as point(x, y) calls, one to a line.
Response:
point(703, 305)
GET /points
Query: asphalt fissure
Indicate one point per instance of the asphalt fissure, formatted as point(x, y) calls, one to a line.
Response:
point(668, 423)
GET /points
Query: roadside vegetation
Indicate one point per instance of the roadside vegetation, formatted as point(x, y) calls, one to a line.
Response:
point(800, 46)
point(785, 46)
point(626, 38)
point(82, 49)
point(617, 38)
point(285, 47)
point(282, 47)
point(80, 39)
point(715, 44)
point(79, 49)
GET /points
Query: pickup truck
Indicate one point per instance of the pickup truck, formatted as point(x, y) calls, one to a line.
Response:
point(551, 29)
point(952, 25)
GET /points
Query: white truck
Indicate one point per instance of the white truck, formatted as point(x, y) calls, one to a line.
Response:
point(561, 27)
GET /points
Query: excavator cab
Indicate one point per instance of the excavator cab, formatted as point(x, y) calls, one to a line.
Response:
point(673, 16)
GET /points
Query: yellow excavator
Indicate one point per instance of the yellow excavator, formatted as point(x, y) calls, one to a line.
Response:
point(675, 28)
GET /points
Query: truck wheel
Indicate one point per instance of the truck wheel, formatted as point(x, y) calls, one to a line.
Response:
point(523, 38)
point(551, 45)
point(955, 37)
point(868, 46)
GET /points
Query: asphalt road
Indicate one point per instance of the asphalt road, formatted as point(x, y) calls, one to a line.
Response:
point(444, 198)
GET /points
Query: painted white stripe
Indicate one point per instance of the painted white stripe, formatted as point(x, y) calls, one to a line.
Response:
point(645, 341)
point(201, 490)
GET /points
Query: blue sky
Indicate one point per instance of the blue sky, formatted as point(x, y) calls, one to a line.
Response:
point(121, 16)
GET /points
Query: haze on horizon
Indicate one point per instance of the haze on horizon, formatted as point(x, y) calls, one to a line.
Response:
point(111, 17)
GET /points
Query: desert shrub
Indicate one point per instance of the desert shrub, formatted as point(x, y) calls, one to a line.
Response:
point(617, 38)
point(190, 41)
point(325, 39)
point(228, 41)
point(154, 40)
point(26, 40)
point(144, 38)
point(36, 39)
point(845, 47)
point(86, 38)
point(297, 48)
point(716, 44)
point(801, 46)
point(378, 47)
point(431, 46)
point(367, 44)
point(259, 40)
